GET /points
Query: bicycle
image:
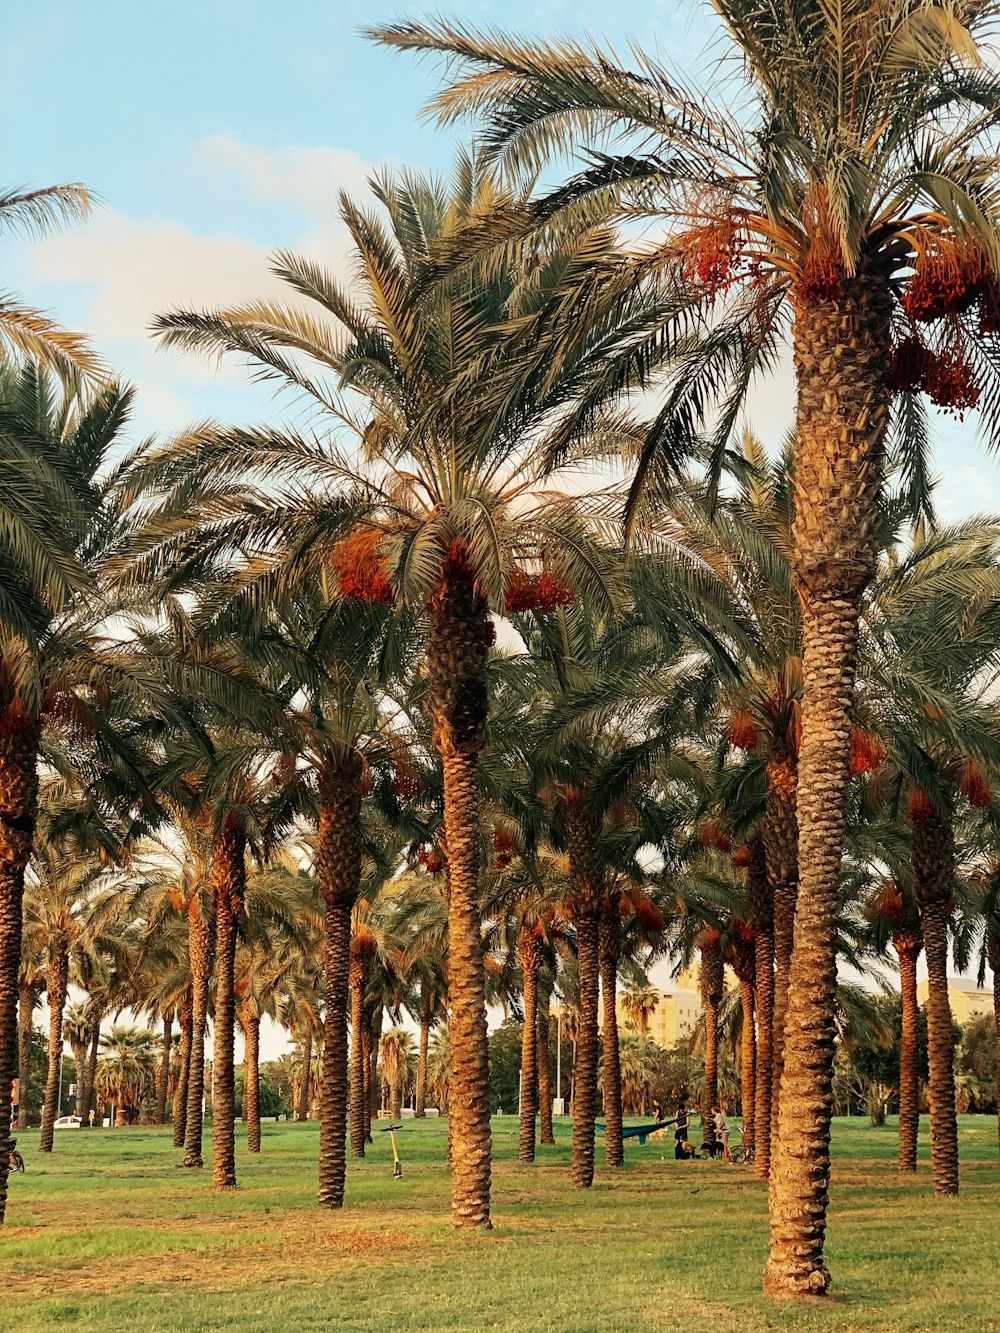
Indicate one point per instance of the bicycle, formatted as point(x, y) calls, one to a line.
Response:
point(740, 1153)
point(15, 1162)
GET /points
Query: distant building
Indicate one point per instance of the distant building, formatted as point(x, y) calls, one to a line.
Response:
point(676, 1013)
point(966, 999)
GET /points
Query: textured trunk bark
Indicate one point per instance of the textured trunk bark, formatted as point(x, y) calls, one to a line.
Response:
point(25, 1015)
point(18, 801)
point(529, 954)
point(934, 878)
point(302, 1101)
point(228, 885)
point(338, 871)
point(163, 1076)
point(420, 1098)
point(586, 886)
point(841, 349)
point(359, 1083)
point(780, 836)
point(95, 1045)
point(374, 1038)
point(183, 1074)
point(468, 1077)
point(993, 945)
point(544, 1080)
point(908, 951)
point(762, 920)
point(79, 1051)
point(56, 981)
point(201, 946)
point(458, 641)
point(610, 950)
point(944, 1127)
point(711, 981)
point(395, 1101)
point(748, 1071)
point(251, 1081)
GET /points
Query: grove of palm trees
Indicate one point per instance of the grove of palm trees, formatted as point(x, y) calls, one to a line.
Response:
point(408, 746)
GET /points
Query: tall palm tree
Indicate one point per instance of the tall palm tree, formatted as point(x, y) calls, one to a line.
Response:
point(807, 214)
point(441, 514)
point(66, 688)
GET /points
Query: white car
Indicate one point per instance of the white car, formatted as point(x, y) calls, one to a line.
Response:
point(67, 1122)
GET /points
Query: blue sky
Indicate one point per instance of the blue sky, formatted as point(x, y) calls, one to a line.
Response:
point(215, 132)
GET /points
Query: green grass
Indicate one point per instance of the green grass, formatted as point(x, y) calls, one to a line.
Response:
point(109, 1234)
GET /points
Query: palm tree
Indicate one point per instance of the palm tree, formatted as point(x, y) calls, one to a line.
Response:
point(397, 1067)
point(61, 677)
point(638, 1003)
point(818, 206)
point(894, 910)
point(125, 1070)
point(30, 982)
point(61, 908)
point(441, 514)
point(27, 334)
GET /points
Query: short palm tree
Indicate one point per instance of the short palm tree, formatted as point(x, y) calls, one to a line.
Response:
point(853, 206)
point(126, 1070)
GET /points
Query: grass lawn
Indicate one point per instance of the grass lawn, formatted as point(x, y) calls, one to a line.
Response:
point(109, 1234)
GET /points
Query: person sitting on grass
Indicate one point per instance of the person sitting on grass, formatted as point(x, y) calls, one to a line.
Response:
point(682, 1149)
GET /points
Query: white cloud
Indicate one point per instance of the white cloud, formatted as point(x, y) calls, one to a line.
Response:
point(131, 270)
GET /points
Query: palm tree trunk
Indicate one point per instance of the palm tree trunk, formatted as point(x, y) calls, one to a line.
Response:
point(359, 1060)
point(338, 871)
point(586, 882)
point(609, 944)
point(201, 947)
point(56, 980)
point(780, 834)
point(183, 1074)
point(468, 1089)
point(544, 1080)
point(762, 920)
point(18, 801)
point(842, 349)
point(529, 955)
point(302, 1101)
point(458, 641)
point(25, 1015)
point(374, 1038)
point(711, 983)
point(419, 1112)
point(993, 947)
point(251, 1081)
point(748, 1070)
point(163, 1078)
point(95, 1044)
point(908, 950)
point(395, 1100)
point(228, 885)
point(933, 876)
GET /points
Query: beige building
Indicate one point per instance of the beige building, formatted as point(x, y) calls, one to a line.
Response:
point(676, 1013)
point(966, 999)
